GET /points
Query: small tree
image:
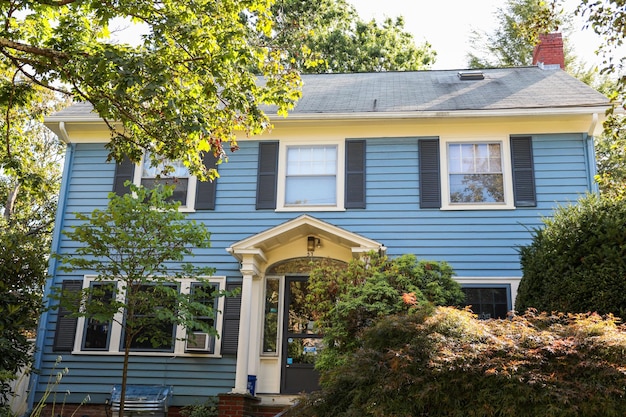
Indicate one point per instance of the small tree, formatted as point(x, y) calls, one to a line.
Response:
point(347, 301)
point(137, 248)
point(577, 262)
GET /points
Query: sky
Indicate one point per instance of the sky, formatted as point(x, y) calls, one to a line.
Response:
point(447, 24)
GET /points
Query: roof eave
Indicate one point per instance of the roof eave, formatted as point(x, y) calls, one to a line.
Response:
point(517, 112)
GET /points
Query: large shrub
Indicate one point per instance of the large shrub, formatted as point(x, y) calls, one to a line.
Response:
point(347, 300)
point(445, 362)
point(577, 262)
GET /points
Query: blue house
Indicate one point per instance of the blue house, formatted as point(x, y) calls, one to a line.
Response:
point(447, 165)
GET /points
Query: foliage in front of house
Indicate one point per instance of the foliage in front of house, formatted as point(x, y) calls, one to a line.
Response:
point(446, 362)
point(577, 262)
point(347, 300)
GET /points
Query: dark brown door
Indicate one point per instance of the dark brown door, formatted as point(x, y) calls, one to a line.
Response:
point(301, 340)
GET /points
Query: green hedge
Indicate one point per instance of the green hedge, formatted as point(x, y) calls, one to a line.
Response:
point(577, 262)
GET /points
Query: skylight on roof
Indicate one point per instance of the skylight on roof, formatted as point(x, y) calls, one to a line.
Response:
point(471, 75)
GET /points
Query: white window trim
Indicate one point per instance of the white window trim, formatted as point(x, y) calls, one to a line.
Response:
point(507, 173)
point(189, 205)
point(282, 175)
point(181, 332)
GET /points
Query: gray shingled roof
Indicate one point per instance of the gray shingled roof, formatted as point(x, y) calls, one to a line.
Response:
point(436, 91)
point(430, 91)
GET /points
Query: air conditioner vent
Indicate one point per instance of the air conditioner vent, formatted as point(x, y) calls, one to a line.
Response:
point(199, 341)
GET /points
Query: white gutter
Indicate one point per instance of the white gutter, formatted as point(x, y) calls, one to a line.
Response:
point(412, 114)
point(417, 114)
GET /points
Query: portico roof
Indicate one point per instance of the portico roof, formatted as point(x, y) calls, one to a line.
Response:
point(302, 226)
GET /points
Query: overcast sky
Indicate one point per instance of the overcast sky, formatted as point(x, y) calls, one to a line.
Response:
point(446, 24)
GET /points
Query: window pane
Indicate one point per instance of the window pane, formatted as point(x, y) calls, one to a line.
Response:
point(152, 333)
point(203, 293)
point(270, 333)
point(179, 177)
point(303, 350)
point(310, 191)
point(311, 160)
point(475, 173)
point(180, 187)
point(487, 302)
point(476, 188)
point(311, 175)
point(153, 171)
point(474, 158)
point(97, 332)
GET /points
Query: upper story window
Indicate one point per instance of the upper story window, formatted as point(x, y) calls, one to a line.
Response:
point(475, 173)
point(184, 184)
point(192, 194)
point(320, 176)
point(311, 176)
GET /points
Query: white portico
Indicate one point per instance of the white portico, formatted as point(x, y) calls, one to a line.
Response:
point(298, 240)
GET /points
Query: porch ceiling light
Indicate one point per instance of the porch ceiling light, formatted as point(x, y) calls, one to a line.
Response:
point(312, 243)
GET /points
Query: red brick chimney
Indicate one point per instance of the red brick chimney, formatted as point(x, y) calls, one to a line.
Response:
point(548, 53)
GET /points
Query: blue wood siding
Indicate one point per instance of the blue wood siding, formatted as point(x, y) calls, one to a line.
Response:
point(477, 243)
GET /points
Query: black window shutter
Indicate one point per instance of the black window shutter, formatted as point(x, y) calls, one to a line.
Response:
point(205, 190)
point(429, 173)
point(355, 174)
point(523, 171)
point(124, 171)
point(230, 327)
point(267, 175)
point(65, 331)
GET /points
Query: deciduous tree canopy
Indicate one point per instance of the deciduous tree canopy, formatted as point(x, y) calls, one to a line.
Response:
point(29, 181)
point(188, 87)
point(329, 36)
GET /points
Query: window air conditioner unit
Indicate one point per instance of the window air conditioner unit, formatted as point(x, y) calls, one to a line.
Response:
point(199, 341)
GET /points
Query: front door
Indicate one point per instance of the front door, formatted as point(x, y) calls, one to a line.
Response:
point(301, 340)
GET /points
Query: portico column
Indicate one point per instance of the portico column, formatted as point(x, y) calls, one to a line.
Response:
point(249, 270)
point(241, 375)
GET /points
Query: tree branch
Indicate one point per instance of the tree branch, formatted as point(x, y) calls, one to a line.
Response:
point(35, 50)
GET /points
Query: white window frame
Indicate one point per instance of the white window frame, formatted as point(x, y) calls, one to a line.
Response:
point(115, 337)
point(507, 173)
point(189, 204)
point(282, 176)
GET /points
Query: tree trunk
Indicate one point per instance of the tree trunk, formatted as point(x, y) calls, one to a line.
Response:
point(128, 339)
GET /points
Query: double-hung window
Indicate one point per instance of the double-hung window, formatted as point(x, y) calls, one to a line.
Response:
point(191, 193)
point(153, 332)
point(197, 339)
point(91, 335)
point(326, 175)
point(97, 333)
point(184, 184)
point(311, 176)
point(475, 173)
